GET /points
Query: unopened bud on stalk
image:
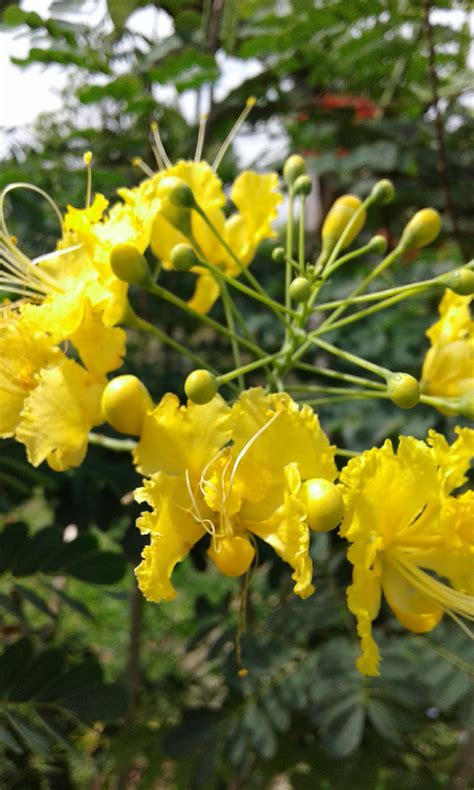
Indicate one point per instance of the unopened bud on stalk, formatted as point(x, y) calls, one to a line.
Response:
point(200, 386)
point(378, 245)
point(183, 258)
point(294, 167)
point(125, 402)
point(87, 158)
point(302, 186)
point(129, 265)
point(181, 195)
point(324, 503)
point(233, 556)
point(337, 219)
point(466, 406)
point(279, 255)
point(300, 289)
point(422, 229)
point(383, 192)
point(461, 281)
point(403, 390)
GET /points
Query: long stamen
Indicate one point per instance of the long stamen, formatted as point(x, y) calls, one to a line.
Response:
point(87, 159)
point(32, 188)
point(20, 271)
point(449, 599)
point(137, 161)
point(245, 450)
point(200, 137)
point(159, 146)
point(251, 101)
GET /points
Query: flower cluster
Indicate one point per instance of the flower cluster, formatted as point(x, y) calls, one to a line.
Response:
point(254, 465)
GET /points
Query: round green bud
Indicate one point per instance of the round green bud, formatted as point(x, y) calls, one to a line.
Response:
point(294, 167)
point(183, 258)
point(200, 386)
point(461, 281)
point(302, 186)
point(324, 504)
point(383, 192)
point(403, 390)
point(125, 402)
point(300, 289)
point(181, 195)
point(279, 255)
point(129, 265)
point(422, 229)
point(378, 245)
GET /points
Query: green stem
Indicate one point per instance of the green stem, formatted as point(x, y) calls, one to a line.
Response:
point(226, 300)
point(289, 254)
point(382, 266)
point(388, 292)
point(205, 319)
point(259, 363)
point(301, 239)
point(356, 393)
point(260, 297)
point(336, 374)
point(119, 445)
point(349, 256)
point(346, 453)
point(135, 322)
point(355, 360)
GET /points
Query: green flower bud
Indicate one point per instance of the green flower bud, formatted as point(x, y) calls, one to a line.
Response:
point(461, 281)
point(200, 386)
point(125, 402)
point(338, 217)
point(129, 265)
point(279, 255)
point(466, 406)
point(422, 229)
point(324, 503)
point(300, 289)
point(403, 390)
point(183, 257)
point(378, 245)
point(383, 192)
point(302, 186)
point(294, 167)
point(181, 195)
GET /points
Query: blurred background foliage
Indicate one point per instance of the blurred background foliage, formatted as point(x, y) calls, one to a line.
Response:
point(97, 688)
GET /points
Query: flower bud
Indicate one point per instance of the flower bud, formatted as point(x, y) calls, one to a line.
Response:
point(461, 281)
point(302, 186)
point(183, 257)
point(338, 217)
point(233, 556)
point(181, 195)
point(294, 167)
point(279, 255)
point(200, 386)
point(383, 192)
point(87, 158)
point(378, 245)
point(129, 265)
point(125, 402)
point(466, 405)
point(422, 229)
point(324, 504)
point(403, 390)
point(300, 289)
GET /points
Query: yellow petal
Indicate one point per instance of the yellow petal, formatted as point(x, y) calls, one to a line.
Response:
point(286, 532)
point(413, 609)
point(178, 438)
point(453, 461)
point(205, 294)
point(101, 348)
point(173, 532)
point(59, 413)
point(293, 436)
point(363, 599)
point(257, 200)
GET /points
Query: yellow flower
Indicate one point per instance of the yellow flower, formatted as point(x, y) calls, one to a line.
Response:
point(255, 198)
point(401, 521)
point(234, 473)
point(448, 368)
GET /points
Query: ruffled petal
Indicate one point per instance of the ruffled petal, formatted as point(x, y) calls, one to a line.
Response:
point(101, 348)
point(59, 413)
point(412, 609)
point(205, 294)
point(178, 438)
point(173, 531)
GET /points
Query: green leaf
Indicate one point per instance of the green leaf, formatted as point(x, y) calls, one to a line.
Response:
point(39, 551)
point(45, 666)
point(29, 733)
point(13, 662)
point(120, 10)
point(95, 701)
point(13, 538)
point(99, 567)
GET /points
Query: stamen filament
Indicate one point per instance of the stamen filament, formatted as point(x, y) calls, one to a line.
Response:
point(250, 103)
point(200, 137)
point(159, 145)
